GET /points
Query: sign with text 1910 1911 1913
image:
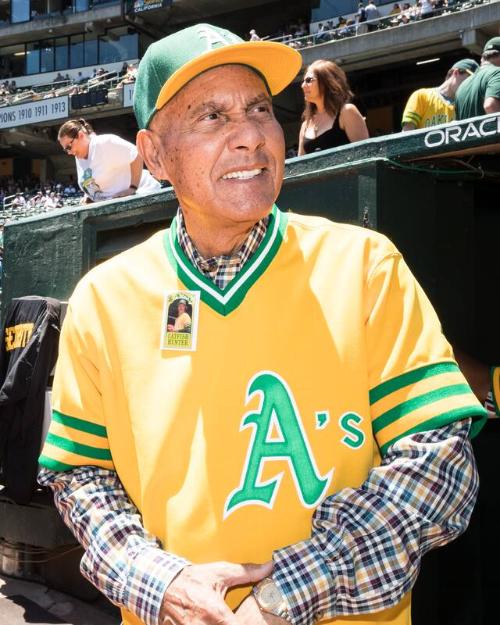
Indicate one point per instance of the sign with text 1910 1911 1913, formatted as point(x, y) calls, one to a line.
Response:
point(34, 112)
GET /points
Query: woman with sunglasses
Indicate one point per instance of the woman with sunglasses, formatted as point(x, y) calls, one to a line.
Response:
point(329, 118)
point(107, 165)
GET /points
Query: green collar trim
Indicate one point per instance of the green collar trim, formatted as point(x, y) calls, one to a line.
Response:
point(224, 301)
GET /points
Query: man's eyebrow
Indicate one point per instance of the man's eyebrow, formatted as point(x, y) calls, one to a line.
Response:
point(212, 105)
point(208, 105)
point(261, 97)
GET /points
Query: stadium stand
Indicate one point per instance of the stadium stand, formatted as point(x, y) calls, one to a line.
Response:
point(347, 26)
point(67, 58)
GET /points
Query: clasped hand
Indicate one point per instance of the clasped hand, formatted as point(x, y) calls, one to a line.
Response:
point(196, 596)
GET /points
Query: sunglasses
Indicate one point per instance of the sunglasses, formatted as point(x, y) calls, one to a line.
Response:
point(309, 79)
point(68, 147)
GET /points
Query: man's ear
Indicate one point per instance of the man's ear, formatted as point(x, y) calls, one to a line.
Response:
point(150, 149)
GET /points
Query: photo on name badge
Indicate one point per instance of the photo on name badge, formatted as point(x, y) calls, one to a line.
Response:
point(180, 316)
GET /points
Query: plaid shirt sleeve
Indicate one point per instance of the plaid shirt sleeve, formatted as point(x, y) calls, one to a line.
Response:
point(124, 561)
point(366, 543)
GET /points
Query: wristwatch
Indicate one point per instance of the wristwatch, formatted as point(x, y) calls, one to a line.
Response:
point(269, 598)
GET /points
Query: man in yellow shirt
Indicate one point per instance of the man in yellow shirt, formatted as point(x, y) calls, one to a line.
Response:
point(330, 458)
point(431, 106)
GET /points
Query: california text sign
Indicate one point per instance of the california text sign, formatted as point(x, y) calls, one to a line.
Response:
point(463, 132)
point(34, 112)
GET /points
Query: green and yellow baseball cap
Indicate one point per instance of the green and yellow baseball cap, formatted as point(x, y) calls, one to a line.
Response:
point(492, 44)
point(170, 63)
point(467, 65)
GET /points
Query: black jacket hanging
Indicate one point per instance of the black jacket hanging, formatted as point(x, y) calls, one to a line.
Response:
point(27, 356)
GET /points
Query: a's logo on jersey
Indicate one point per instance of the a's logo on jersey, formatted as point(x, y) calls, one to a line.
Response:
point(322, 419)
point(355, 437)
point(278, 434)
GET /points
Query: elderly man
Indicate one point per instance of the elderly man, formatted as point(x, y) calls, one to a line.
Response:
point(329, 458)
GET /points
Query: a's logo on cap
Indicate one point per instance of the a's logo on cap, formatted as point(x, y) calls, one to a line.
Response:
point(216, 39)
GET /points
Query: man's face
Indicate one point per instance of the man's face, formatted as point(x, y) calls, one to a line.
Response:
point(181, 308)
point(220, 146)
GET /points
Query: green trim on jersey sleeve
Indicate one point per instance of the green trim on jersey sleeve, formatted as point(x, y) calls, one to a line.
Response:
point(444, 419)
point(93, 453)
point(73, 441)
point(54, 465)
point(412, 118)
point(411, 377)
point(418, 399)
point(79, 424)
point(417, 402)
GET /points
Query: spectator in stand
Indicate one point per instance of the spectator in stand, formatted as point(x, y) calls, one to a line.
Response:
point(440, 6)
point(329, 118)
point(19, 201)
point(50, 201)
point(361, 19)
point(59, 78)
point(322, 34)
point(481, 93)
point(430, 106)
point(124, 69)
point(416, 11)
point(372, 14)
point(426, 9)
point(36, 200)
point(253, 35)
point(69, 190)
point(396, 10)
point(107, 165)
point(129, 77)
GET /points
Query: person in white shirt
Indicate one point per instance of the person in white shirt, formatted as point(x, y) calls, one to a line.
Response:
point(107, 165)
point(426, 9)
point(372, 13)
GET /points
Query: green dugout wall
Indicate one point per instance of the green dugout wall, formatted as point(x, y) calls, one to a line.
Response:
point(434, 192)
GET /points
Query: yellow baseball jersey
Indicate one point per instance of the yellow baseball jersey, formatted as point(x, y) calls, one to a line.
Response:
point(319, 354)
point(428, 107)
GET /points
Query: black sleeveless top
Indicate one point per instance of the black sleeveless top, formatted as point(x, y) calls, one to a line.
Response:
point(331, 138)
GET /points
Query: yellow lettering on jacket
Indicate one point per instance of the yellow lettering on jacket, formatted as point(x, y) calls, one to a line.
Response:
point(18, 336)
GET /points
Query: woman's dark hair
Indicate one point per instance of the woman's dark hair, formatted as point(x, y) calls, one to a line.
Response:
point(73, 126)
point(332, 85)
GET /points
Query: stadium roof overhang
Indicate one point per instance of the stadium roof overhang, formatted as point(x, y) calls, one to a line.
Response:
point(181, 12)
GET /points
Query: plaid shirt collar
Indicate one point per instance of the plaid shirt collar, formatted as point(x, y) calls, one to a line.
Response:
point(221, 269)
